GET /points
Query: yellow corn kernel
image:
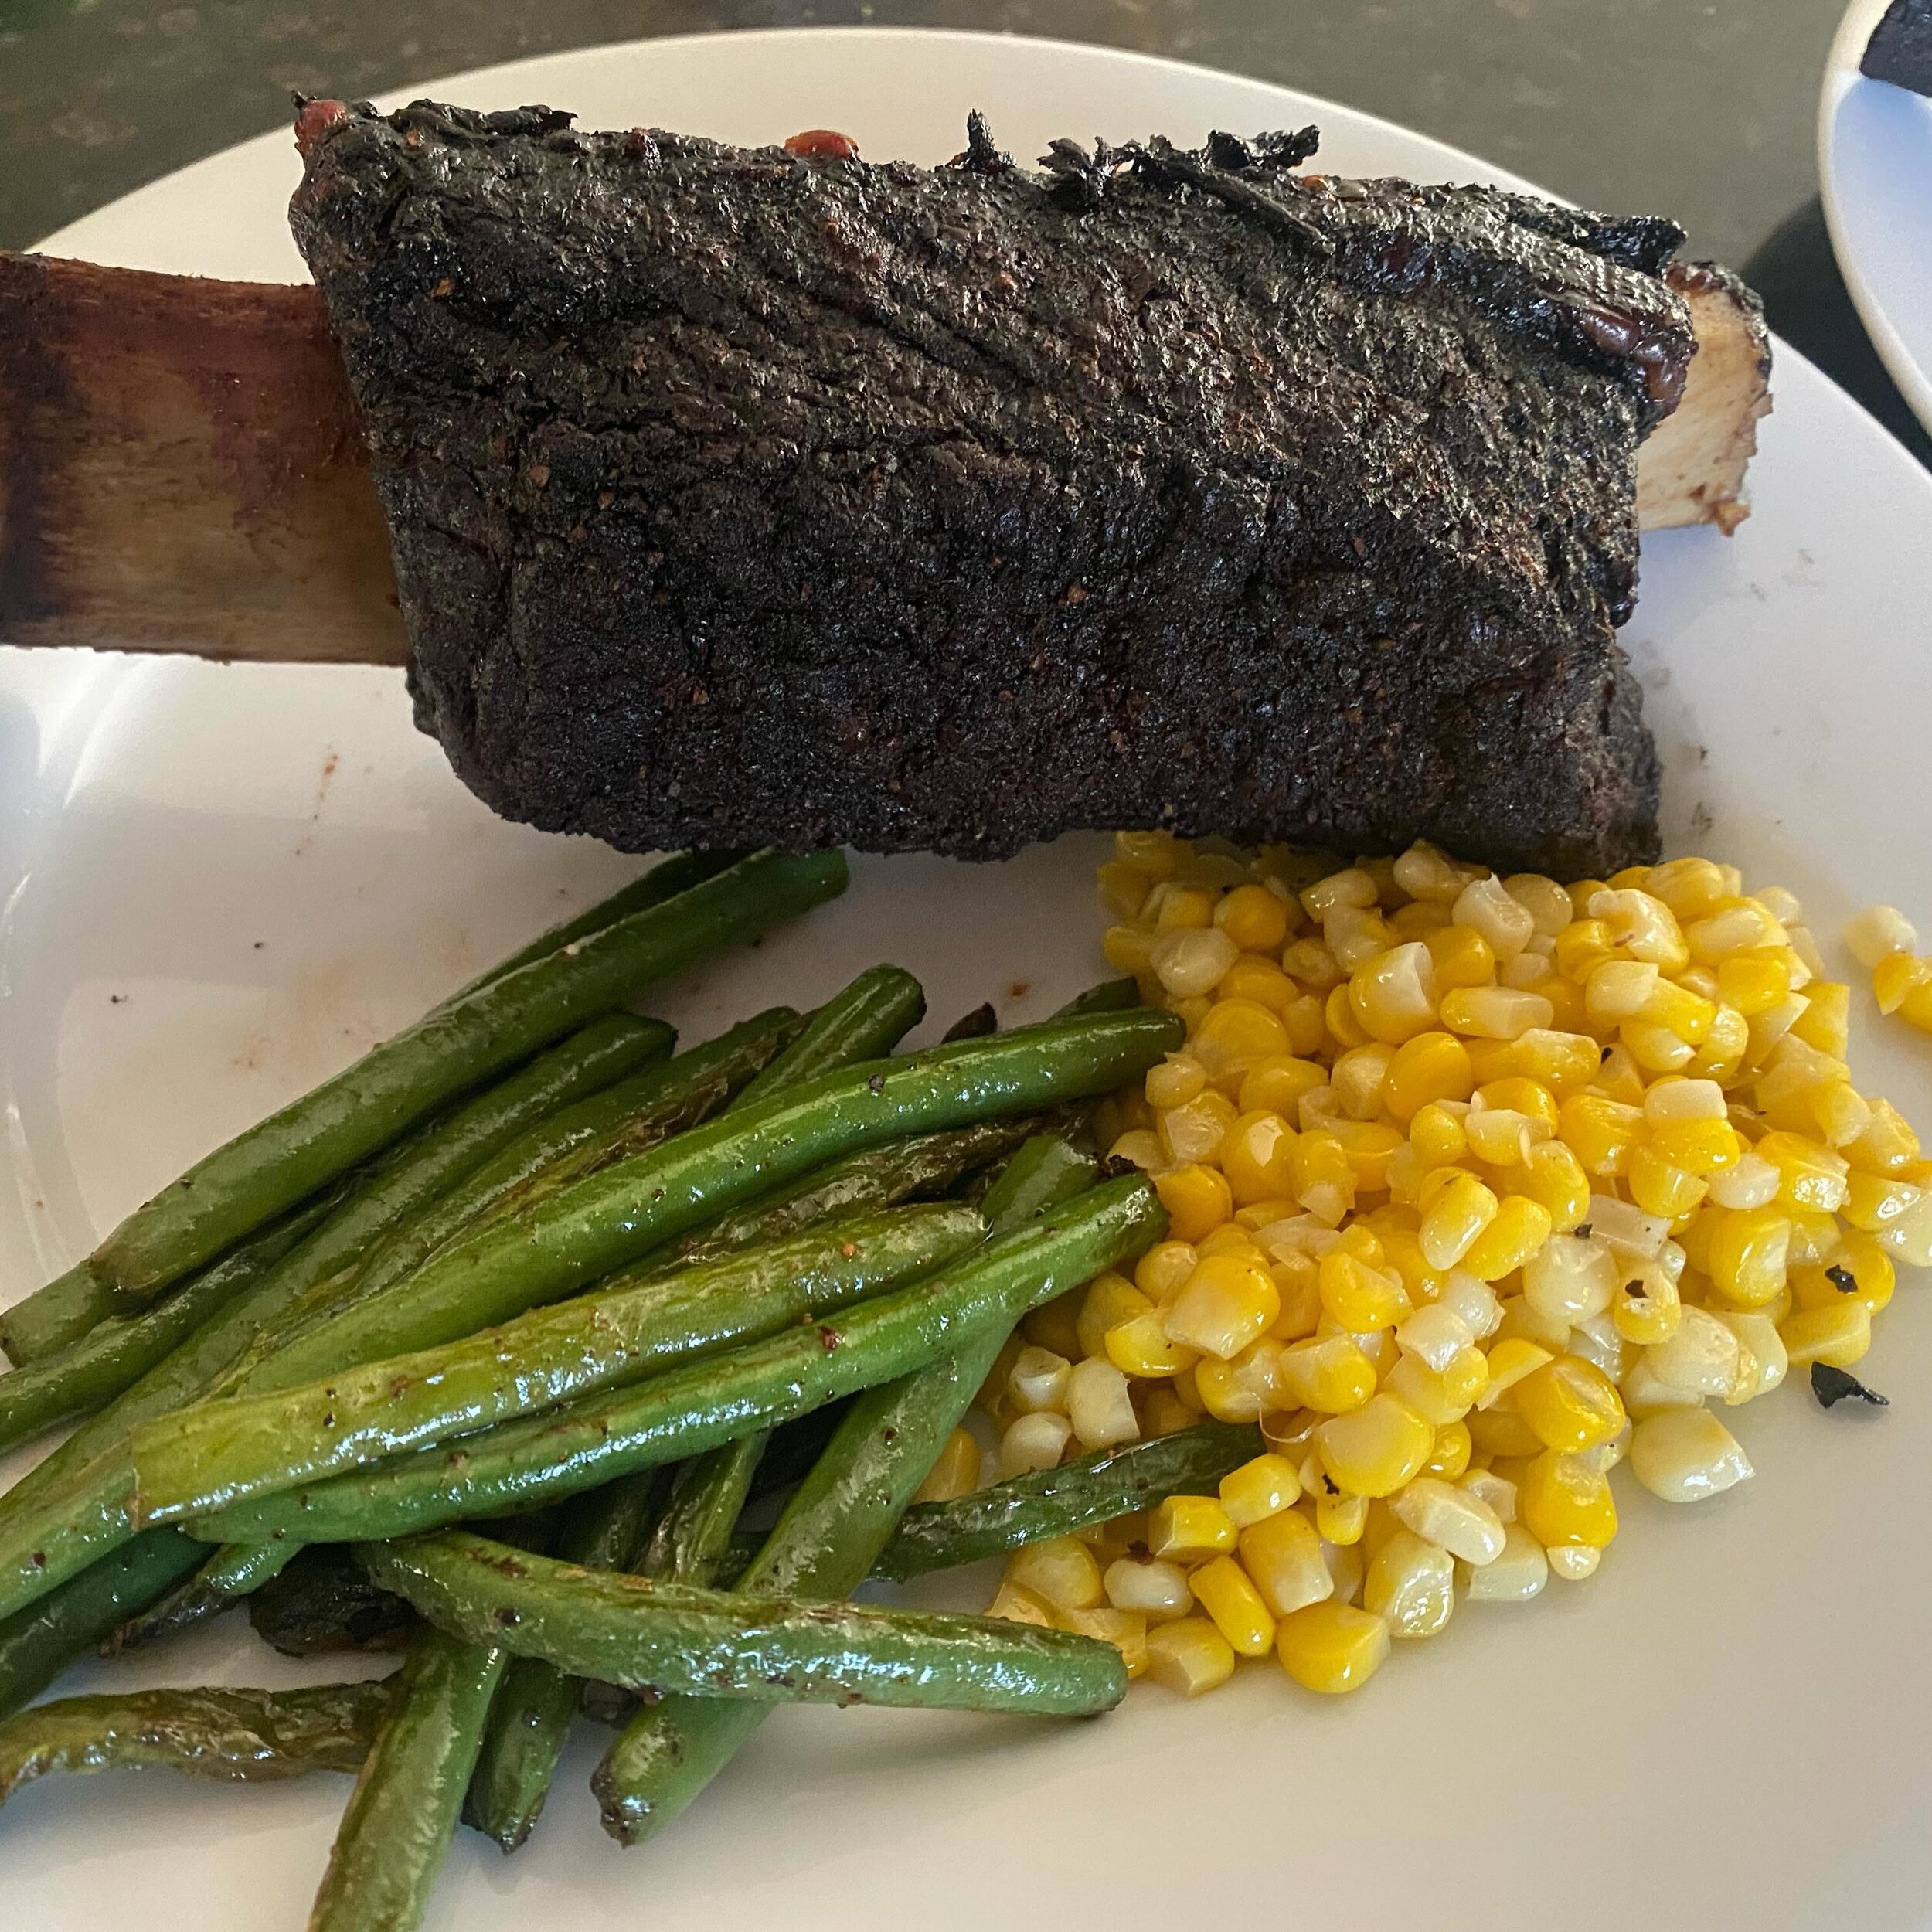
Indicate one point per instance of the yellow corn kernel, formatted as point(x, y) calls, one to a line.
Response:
point(1659, 1189)
point(1656, 1048)
point(1338, 1014)
point(1222, 1588)
point(1449, 1459)
point(1501, 1433)
point(1374, 1449)
point(1809, 1176)
point(1325, 1181)
point(1723, 1052)
point(1358, 1296)
point(1260, 981)
point(1747, 1253)
point(1437, 1135)
point(1186, 1529)
point(1159, 854)
point(1257, 1157)
point(1520, 1227)
point(1332, 1375)
point(1163, 1270)
point(1837, 1335)
point(1602, 1133)
point(1428, 1066)
point(1013, 1605)
point(1461, 956)
point(1123, 889)
point(1566, 1062)
point(1275, 1084)
point(1455, 1218)
point(1839, 1111)
point(1618, 1077)
point(1896, 977)
point(1549, 905)
point(1061, 1571)
point(1142, 1346)
point(1873, 1201)
point(1393, 994)
point(1179, 908)
point(1282, 1555)
point(1691, 888)
point(1125, 1630)
point(1262, 1487)
point(1331, 1647)
point(1186, 1393)
point(1179, 1079)
point(1512, 1359)
point(1140, 1148)
point(1110, 1300)
point(1494, 1012)
point(1888, 1144)
point(1826, 1021)
point(1440, 1396)
point(1358, 1076)
point(1647, 1306)
point(1228, 1301)
point(1418, 919)
point(1518, 1093)
point(1564, 1501)
point(1582, 946)
point(1254, 918)
point(955, 1471)
point(1645, 927)
point(1129, 949)
point(1198, 1199)
point(1857, 1265)
point(1188, 1657)
point(1162, 1412)
point(1234, 1035)
point(1699, 1147)
point(1341, 1518)
point(1194, 1132)
point(1753, 982)
point(1570, 1404)
point(1554, 1178)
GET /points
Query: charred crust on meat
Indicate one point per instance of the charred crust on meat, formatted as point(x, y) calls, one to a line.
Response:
point(1344, 468)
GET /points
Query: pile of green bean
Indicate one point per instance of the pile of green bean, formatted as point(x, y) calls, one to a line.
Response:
point(507, 1324)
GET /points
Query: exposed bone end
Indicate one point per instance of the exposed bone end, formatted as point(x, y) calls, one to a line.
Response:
point(1691, 468)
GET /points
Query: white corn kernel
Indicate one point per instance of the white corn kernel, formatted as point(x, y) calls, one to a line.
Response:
point(1686, 1454)
point(1626, 1228)
point(1703, 1356)
point(1061, 1571)
point(1150, 1585)
point(1519, 1573)
point(1498, 1491)
point(1453, 1519)
point(1570, 1278)
point(1676, 1098)
point(1192, 961)
point(1034, 1442)
point(1411, 1585)
point(1573, 1562)
point(1762, 1342)
point(1878, 933)
point(1505, 922)
point(1100, 1404)
point(1473, 1300)
point(1038, 1381)
point(1436, 1334)
point(1753, 1182)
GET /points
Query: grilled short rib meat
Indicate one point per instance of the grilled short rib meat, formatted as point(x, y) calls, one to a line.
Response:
point(1900, 48)
point(743, 496)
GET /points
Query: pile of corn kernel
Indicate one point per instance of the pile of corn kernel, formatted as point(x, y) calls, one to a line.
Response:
point(1479, 1188)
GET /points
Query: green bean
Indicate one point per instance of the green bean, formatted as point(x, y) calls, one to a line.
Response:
point(75, 1507)
point(664, 880)
point(323, 1601)
point(570, 1239)
point(523, 1465)
point(258, 1736)
point(835, 1526)
point(650, 1636)
point(636, 1113)
point(38, 1643)
point(221, 1453)
point(233, 1574)
point(875, 1177)
point(116, 1353)
point(1055, 1502)
point(256, 1176)
point(59, 1313)
point(530, 1720)
point(397, 1830)
point(869, 1018)
point(1110, 996)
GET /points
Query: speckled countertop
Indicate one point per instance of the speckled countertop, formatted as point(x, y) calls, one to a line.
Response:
point(1701, 109)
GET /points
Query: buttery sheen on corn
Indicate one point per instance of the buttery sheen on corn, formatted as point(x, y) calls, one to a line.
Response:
point(1479, 1188)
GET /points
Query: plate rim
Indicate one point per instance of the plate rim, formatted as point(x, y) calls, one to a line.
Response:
point(1842, 75)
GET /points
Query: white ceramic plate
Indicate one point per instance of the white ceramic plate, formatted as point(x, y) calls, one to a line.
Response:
point(1875, 162)
point(220, 883)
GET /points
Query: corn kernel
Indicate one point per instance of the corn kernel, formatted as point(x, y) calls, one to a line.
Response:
point(1162, 1272)
point(1374, 1449)
point(1753, 982)
point(1455, 1220)
point(1060, 1571)
point(1873, 1201)
point(1222, 1588)
point(1826, 1021)
point(1037, 1380)
point(1684, 1455)
point(1242, 1390)
point(1254, 918)
point(1179, 1079)
point(1331, 1376)
point(1858, 1266)
point(1261, 982)
point(1501, 1432)
point(1570, 1404)
point(1310, 964)
point(1198, 1199)
point(1565, 1501)
point(1647, 1306)
point(1262, 1487)
point(1226, 1303)
point(1275, 1084)
point(1748, 1252)
point(1189, 1657)
point(1411, 1584)
point(1645, 926)
point(1194, 1132)
point(1449, 1459)
point(1896, 977)
point(1234, 1035)
point(1150, 1586)
point(1520, 1228)
point(955, 1471)
point(1190, 962)
point(1485, 907)
point(1454, 1519)
point(1142, 1346)
point(1359, 1298)
point(1109, 1300)
point(1341, 1518)
point(1574, 1562)
point(1440, 1396)
point(1511, 1361)
point(1010, 1604)
point(1100, 1404)
point(1034, 1442)
point(1188, 1528)
point(1162, 1412)
point(1324, 1181)
point(1877, 933)
point(1331, 1647)
point(1516, 1576)
point(1838, 1336)
point(1656, 1048)
point(1703, 1357)
point(1282, 1555)
point(1494, 1012)
point(1159, 854)
point(1659, 1187)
